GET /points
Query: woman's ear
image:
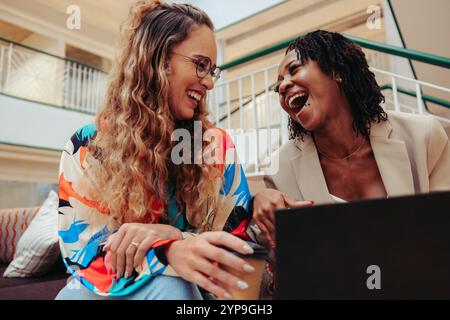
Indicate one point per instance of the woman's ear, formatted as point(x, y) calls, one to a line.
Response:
point(167, 68)
point(337, 77)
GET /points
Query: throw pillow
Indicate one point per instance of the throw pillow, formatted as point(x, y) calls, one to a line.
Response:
point(13, 223)
point(38, 248)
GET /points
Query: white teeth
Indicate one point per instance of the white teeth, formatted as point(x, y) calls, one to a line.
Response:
point(194, 95)
point(295, 96)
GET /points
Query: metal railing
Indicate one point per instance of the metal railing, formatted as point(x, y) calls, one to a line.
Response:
point(250, 115)
point(368, 44)
point(411, 93)
point(245, 105)
point(394, 102)
point(34, 75)
point(249, 110)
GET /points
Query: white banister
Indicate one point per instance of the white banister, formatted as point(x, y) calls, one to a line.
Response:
point(259, 105)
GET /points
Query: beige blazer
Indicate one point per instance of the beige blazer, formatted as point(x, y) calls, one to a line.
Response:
point(412, 153)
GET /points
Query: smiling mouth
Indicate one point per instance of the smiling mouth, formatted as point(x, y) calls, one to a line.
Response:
point(298, 101)
point(194, 97)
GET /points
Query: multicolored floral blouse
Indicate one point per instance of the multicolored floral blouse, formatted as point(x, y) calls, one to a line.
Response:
point(84, 226)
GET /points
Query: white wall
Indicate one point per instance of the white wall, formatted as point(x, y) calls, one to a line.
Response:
point(37, 125)
point(424, 26)
point(46, 44)
point(398, 65)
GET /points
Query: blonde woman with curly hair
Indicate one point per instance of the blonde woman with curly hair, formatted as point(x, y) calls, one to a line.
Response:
point(132, 224)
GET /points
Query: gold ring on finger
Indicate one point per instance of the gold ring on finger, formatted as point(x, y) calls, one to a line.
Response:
point(136, 244)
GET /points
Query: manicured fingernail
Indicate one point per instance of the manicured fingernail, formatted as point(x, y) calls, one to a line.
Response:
point(248, 268)
point(126, 274)
point(248, 249)
point(226, 295)
point(241, 284)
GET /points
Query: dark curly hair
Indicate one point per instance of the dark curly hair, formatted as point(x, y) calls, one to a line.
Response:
point(335, 53)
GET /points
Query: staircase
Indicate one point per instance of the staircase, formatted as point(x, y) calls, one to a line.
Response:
point(248, 109)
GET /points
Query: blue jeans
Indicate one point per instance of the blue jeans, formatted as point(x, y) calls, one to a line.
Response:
point(159, 288)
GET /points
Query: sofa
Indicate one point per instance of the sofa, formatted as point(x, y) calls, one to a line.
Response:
point(44, 287)
point(31, 267)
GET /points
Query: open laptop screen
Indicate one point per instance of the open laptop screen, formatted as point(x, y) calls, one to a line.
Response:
point(397, 248)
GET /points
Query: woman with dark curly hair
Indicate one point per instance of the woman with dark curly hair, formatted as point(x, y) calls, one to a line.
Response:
point(343, 145)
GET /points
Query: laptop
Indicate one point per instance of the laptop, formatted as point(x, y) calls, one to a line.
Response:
point(397, 248)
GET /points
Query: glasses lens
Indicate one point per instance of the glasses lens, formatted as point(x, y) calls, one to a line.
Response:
point(203, 67)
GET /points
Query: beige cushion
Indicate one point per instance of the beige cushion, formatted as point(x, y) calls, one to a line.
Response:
point(37, 249)
point(13, 223)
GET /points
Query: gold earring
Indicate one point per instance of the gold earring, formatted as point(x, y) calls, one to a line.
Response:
point(337, 78)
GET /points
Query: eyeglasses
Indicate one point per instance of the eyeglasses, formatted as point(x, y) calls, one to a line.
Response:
point(204, 66)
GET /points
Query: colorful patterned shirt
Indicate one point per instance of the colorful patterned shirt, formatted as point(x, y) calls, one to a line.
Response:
point(84, 225)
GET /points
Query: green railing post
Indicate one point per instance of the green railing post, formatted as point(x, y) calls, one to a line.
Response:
point(369, 44)
point(412, 93)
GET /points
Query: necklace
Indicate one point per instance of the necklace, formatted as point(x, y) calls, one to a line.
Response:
point(335, 159)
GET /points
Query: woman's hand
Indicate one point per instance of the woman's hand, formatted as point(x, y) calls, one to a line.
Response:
point(193, 259)
point(128, 247)
point(264, 205)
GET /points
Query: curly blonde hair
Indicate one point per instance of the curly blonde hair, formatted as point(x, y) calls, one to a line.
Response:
point(129, 157)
